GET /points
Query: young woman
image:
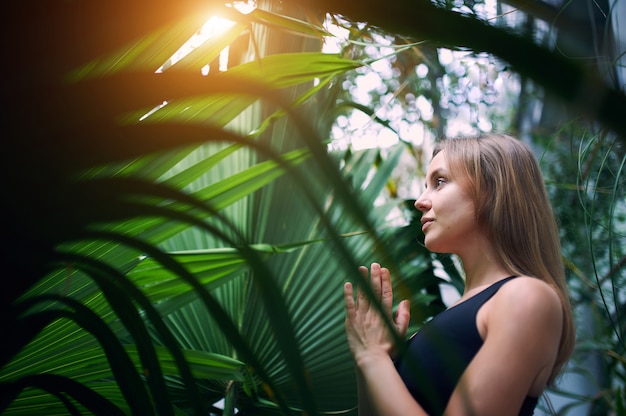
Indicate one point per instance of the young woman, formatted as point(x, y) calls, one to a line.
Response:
point(495, 350)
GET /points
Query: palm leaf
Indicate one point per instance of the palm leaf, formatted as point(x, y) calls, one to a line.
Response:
point(110, 200)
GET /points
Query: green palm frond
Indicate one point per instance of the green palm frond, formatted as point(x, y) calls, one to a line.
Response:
point(181, 238)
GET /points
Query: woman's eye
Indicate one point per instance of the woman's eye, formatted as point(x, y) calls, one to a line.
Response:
point(439, 182)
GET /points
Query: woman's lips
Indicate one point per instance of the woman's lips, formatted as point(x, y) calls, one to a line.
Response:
point(426, 222)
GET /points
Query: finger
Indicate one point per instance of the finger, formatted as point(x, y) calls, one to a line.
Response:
point(386, 298)
point(403, 317)
point(375, 280)
point(363, 301)
point(364, 272)
point(348, 298)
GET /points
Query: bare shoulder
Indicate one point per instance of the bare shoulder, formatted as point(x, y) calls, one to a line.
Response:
point(526, 291)
point(530, 302)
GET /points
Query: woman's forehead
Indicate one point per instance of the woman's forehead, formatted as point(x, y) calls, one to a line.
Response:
point(439, 162)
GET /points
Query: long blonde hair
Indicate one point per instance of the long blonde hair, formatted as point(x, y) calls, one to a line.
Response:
point(513, 209)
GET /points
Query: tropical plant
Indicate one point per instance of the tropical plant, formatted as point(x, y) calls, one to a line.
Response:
point(100, 317)
point(582, 161)
point(148, 276)
point(592, 217)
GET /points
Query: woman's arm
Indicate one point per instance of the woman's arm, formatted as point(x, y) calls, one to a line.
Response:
point(365, 408)
point(521, 327)
point(384, 390)
point(380, 388)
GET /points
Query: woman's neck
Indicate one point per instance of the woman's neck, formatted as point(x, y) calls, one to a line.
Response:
point(481, 266)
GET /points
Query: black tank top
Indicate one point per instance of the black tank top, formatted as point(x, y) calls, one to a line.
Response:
point(442, 349)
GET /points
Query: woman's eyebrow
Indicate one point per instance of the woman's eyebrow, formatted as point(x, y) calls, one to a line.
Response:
point(436, 173)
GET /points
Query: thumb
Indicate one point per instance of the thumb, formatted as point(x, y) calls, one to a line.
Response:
point(403, 316)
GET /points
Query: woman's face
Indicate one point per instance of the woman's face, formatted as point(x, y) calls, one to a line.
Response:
point(448, 212)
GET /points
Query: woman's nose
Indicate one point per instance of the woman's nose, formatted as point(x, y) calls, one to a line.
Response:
point(422, 204)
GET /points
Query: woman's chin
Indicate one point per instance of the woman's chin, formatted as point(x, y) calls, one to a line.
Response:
point(430, 242)
point(433, 246)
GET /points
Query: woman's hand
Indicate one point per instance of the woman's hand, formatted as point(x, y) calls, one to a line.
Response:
point(366, 330)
